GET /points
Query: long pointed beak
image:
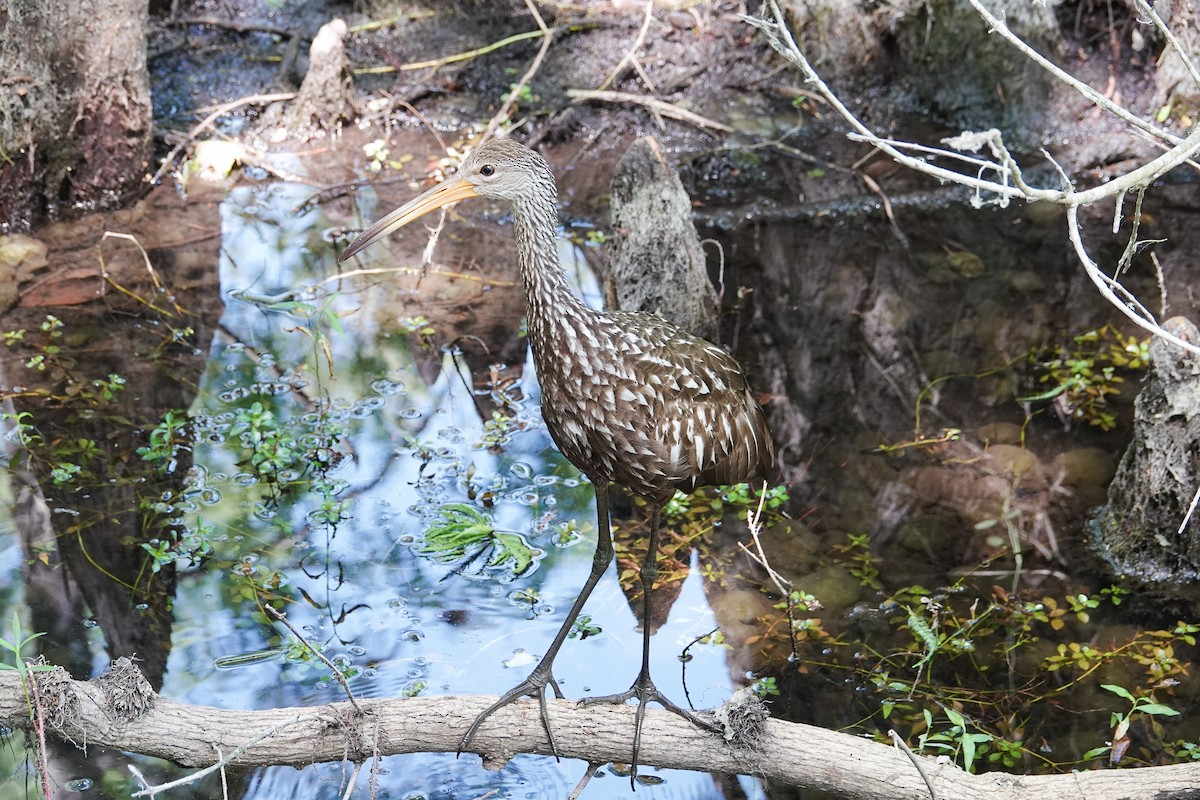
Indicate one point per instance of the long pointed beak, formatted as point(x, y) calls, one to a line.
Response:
point(448, 191)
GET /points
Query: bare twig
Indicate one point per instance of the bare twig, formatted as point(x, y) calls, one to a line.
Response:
point(754, 523)
point(1191, 510)
point(39, 724)
point(655, 105)
point(887, 207)
point(781, 38)
point(435, 234)
point(104, 274)
point(515, 92)
point(1105, 285)
point(1009, 182)
point(408, 271)
point(207, 122)
point(998, 26)
point(464, 56)
point(337, 673)
point(224, 775)
point(1190, 65)
point(588, 774)
point(904, 748)
point(352, 780)
point(632, 54)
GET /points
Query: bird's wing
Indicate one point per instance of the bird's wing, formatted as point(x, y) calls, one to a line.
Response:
point(701, 409)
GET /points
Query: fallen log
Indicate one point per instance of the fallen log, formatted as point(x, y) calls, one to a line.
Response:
point(119, 711)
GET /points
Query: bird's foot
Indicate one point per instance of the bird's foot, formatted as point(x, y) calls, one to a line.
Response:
point(534, 686)
point(645, 691)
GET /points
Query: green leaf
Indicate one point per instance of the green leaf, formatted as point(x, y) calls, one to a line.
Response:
point(968, 750)
point(1119, 691)
point(1050, 395)
point(1158, 708)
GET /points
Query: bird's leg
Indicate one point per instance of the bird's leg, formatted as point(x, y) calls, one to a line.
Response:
point(542, 676)
point(643, 687)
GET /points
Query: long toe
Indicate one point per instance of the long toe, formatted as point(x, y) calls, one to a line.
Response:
point(646, 692)
point(534, 687)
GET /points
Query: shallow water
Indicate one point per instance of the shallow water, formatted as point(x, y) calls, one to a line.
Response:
point(387, 430)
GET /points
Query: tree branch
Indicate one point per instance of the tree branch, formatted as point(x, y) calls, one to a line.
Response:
point(1010, 183)
point(811, 758)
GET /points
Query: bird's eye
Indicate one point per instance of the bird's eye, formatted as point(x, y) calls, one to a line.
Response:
point(487, 170)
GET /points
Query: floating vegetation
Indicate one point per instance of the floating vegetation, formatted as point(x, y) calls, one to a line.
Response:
point(465, 534)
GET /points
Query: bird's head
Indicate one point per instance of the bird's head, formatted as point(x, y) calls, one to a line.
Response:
point(500, 169)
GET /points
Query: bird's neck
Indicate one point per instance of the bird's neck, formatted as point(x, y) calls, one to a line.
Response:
point(550, 301)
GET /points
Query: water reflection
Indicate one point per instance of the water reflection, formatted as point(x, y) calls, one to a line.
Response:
point(376, 431)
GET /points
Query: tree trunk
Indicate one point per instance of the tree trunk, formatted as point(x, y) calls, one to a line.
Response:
point(657, 262)
point(1148, 535)
point(75, 116)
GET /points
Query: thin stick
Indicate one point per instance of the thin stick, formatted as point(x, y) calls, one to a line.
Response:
point(435, 233)
point(207, 122)
point(145, 256)
point(514, 93)
point(902, 746)
point(353, 779)
point(465, 56)
point(43, 767)
point(1102, 282)
point(337, 673)
point(584, 781)
point(998, 26)
point(754, 523)
point(655, 105)
point(887, 207)
point(224, 777)
point(781, 39)
point(1191, 509)
point(104, 274)
point(412, 271)
point(632, 54)
point(1190, 65)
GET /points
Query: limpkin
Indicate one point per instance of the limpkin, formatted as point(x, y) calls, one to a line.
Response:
point(628, 398)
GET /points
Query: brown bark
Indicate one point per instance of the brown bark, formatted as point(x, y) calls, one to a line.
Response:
point(1148, 535)
point(326, 97)
point(657, 263)
point(107, 712)
point(75, 119)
